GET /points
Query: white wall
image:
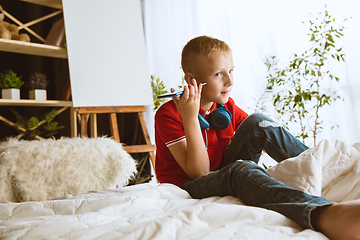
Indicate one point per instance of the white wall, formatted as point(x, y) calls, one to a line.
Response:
point(255, 30)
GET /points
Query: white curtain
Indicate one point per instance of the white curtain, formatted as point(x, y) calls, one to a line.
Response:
point(256, 30)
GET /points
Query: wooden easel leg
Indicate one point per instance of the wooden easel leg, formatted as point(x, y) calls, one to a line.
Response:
point(73, 122)
point(83, 131)
point(146, 136)
point(93, 125)
point(114, 127)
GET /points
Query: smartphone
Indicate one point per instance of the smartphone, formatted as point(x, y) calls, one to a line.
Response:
point(176, 93)
point(168, 95)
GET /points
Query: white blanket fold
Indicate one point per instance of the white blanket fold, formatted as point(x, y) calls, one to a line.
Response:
point(331, 169)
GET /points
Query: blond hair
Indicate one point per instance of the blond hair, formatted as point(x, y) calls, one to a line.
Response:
point(200, 46)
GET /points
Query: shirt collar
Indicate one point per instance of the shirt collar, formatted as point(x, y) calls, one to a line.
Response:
point(203, 112)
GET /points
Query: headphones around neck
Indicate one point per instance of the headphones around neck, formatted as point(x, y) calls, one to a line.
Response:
point(219, 119)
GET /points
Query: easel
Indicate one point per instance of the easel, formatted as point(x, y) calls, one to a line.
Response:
point(84, 112)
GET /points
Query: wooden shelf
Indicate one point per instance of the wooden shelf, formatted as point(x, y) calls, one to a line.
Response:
point(47, 3)
point(35, 103)
point(32, 48)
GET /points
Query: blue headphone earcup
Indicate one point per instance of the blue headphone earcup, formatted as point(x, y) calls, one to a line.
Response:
point(203, 123)
point(220, 118)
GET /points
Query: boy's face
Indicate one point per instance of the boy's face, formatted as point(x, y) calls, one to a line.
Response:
point(216, 70)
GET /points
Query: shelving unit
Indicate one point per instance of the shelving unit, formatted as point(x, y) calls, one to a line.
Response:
point(39, 49)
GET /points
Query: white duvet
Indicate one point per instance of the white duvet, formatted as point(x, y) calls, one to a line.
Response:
point(152, 211)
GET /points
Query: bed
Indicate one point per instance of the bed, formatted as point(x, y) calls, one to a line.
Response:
point(164, 211)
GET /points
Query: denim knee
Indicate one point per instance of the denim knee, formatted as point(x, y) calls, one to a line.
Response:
point(241, 170)
point(259, 122)
point(245, 166)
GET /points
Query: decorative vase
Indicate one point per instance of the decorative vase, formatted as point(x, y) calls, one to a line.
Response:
point(38, 94)
point(10, 93)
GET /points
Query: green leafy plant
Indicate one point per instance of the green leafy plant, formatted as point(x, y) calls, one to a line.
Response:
point(298, 86)
point(158, 88)
point(37, 81)
point(45, 127)
point(9, 79)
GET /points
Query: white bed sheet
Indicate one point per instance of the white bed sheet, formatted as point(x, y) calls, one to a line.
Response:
point(164, 211)
point(151, 212)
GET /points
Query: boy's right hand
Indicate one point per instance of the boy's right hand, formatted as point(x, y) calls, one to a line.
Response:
point(188, 104)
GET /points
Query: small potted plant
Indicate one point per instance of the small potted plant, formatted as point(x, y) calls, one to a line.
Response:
point(37, 86)
point(10, 85)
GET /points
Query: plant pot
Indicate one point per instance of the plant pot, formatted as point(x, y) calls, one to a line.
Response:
point(10, 93)
point(38, 94)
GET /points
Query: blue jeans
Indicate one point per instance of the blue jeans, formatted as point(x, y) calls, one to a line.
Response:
point(250, 183)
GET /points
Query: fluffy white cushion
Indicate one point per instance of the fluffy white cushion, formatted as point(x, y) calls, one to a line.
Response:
point(44, 169)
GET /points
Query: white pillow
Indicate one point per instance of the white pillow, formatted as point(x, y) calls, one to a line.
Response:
point(44, 169)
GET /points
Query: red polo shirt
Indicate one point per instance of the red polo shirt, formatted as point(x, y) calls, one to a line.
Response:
point(169, 130)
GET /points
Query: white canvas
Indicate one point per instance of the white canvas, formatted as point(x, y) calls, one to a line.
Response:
point(106, 51)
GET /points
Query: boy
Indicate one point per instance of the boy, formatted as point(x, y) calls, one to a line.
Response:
point(205, 162)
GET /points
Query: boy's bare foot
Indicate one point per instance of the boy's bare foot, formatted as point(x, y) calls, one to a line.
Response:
point(338, 221)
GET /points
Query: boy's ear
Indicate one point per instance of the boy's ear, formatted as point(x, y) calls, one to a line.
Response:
point(188, 78)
